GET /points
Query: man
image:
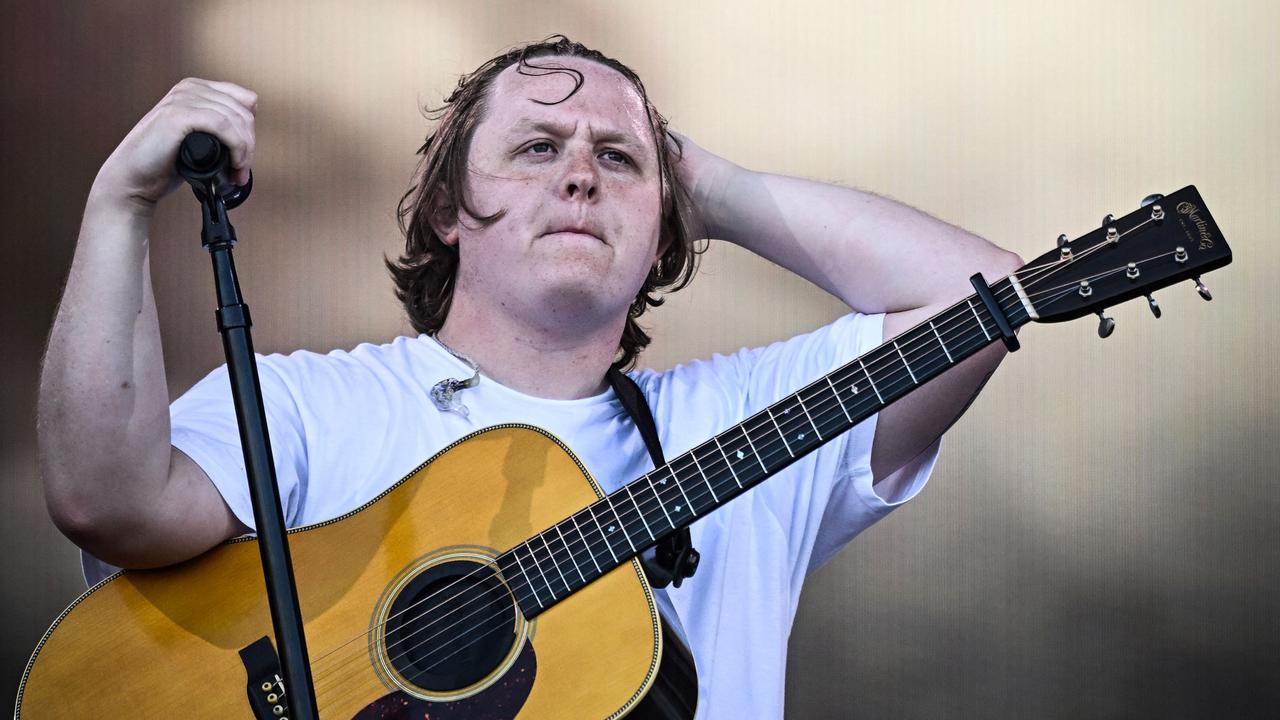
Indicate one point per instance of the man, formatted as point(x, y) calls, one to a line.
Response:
point(550, 204)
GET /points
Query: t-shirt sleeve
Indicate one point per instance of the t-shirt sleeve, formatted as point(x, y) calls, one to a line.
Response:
point(825, 499)
point(203, 426)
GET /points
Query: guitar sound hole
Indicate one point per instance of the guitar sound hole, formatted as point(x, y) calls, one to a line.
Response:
point(450, 627)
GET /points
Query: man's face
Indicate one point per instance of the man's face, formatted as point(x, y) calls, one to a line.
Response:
point(579, 183)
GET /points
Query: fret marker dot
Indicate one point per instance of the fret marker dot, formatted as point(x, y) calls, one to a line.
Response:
point(853, 388)
point(786, 411)
point(611, 528)
point(801, 436)
point(740, 454)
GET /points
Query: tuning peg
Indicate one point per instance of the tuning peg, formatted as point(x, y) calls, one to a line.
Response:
point(1155, 307)
point(1148, 200)
point(1063, 240)
point(1204, 291)
point(1106, 325)
point(1108, 219)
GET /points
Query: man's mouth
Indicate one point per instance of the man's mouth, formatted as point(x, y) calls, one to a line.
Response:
point(579, 231)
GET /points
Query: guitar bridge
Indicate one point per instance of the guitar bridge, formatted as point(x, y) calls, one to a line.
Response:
point(264, 686)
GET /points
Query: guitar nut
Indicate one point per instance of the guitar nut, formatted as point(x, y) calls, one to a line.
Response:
point(1157, 212)
point(1085, 290)
point(272, 697)
point(1180, 254)
point(278, 709)
point(266, 687)
point(1113, 234)
point(1132, 271)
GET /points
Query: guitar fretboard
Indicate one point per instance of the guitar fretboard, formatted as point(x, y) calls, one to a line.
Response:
point(570, 554)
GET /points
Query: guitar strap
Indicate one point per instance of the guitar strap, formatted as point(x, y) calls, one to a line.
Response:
point(674, 558)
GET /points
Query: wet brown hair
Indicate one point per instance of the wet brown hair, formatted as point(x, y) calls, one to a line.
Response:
point(425, 274)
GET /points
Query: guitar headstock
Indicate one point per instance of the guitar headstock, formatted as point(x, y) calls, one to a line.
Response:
point(1169, 239)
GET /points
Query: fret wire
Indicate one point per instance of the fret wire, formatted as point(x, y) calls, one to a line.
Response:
point(571, 557)
point(837, 394)
point(639, 512)
point(512, 574)
point(545, 585)
point(697, 465)
point(823, 409)
point(979, 317)
point(654, 489)
point(800, 400)
point(608, 545)
point(552, 556)
point(871, 382)
point(727, 462)
point(788, 420)
point(680, 486)
point(944, 345)
point(904, 362)
point(786, 444)
point(754, 452)
point(621, 525)
point(738, 450)
point(585, 543)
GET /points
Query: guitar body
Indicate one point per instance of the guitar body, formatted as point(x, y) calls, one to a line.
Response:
point(166, 642)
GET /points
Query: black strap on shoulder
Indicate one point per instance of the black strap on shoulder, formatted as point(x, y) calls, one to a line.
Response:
point(675, 558)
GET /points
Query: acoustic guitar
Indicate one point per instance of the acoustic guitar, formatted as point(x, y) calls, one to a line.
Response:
point(532, 603)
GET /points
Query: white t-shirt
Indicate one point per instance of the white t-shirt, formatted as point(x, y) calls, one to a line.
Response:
point(345, 426)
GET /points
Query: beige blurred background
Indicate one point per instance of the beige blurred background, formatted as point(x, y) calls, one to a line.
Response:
point(1100, 537)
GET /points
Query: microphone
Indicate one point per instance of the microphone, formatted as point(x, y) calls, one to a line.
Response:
point(205, 162)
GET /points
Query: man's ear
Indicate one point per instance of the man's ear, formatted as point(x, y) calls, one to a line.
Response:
point(444, 220)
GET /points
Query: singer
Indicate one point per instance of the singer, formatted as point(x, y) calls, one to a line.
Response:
point(552, 208)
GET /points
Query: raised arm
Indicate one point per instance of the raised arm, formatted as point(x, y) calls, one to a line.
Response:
point(875, 254)
point(112, 482)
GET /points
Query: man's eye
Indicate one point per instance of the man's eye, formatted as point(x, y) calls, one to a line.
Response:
point(540, 148)
point(616, 156)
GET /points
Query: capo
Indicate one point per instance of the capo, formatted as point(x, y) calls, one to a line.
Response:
point(1002, 322)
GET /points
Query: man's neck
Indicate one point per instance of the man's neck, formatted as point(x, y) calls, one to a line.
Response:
point(556, 362)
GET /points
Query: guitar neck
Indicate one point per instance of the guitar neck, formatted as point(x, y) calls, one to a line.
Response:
point(567, 556)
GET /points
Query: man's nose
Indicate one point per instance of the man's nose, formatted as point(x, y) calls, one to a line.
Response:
point(581, 181)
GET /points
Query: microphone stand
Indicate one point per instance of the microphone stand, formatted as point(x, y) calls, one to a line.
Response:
point(201, 160)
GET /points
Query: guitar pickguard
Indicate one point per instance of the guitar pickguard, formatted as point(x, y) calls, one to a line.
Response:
point(501, 701)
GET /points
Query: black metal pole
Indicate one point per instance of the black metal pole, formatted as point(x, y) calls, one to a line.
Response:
point(233, 323)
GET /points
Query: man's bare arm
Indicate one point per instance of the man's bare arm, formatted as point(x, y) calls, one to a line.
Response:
point(875, 254)
point(112, 482)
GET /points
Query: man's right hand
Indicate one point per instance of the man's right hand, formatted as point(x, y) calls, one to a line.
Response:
point(141, 169)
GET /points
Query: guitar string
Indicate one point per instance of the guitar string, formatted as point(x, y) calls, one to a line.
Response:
point(561, 568)
point(717, 472)
point(1029, 274)
point(1060, 291)
point(628, 524)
